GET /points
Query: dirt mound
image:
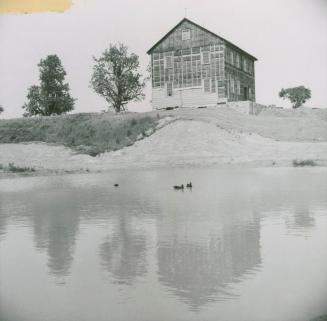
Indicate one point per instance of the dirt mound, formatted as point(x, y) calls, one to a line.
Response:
point(180, 142)
point(186, 142)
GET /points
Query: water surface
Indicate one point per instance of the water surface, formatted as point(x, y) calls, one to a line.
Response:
point(246, 244)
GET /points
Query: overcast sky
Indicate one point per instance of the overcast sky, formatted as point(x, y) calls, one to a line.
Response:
point(289, 38)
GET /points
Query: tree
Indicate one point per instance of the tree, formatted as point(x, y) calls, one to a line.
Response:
point(297, 95)
point(116, 78)
point(52, 96)
point(1, 109)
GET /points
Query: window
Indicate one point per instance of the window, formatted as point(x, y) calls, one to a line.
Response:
point(190, 66)
point(213, 85)
point(231, 59)
point(169, 89)
point(232, 85)
point(186, 34)
point(196, 70)
point(245, 65)
point(169, 62)
point(206, 85)
point(250, 67)
point(238, 83)
point(196, 50)
point(205, 57)
point(237, 60)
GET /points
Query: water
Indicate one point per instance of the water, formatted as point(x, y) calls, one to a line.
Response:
point(246, 244)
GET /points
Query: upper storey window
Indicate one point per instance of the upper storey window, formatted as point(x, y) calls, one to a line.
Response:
point(231, 57)
point(186, 34)
point(237, 60)
point(245, 65)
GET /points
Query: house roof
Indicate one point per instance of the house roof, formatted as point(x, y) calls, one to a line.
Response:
point(206, 30)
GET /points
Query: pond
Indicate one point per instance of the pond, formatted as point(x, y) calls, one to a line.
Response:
point(242, 244)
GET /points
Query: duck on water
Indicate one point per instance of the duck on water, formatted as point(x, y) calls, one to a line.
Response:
point(188, 185)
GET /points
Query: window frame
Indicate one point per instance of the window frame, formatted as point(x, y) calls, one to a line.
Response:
point(168, 66)
point(238, 87)
point(232, 85)
point(202, 58)
point(231, 57)
point(245, 65)
point(237, 60)
point(184, 32)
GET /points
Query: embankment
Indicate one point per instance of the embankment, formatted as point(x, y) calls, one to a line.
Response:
point(89, 133)
point(193, 137)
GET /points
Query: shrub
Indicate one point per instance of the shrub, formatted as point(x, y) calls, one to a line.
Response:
point(302, 163)
point(16, 169)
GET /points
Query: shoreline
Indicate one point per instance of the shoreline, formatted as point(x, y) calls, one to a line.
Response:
point(253, 164)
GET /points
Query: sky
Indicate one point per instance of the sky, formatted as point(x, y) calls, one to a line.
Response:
point(289, 38)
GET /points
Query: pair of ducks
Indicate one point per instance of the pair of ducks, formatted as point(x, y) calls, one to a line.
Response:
point(188, 185)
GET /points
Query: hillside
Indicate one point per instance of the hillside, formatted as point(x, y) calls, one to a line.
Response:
point(89, 133)
point(301, 125)
point(180, 137)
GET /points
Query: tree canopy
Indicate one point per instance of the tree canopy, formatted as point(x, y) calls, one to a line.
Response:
point(296, 95)
point(52, 96)
point(116, 77)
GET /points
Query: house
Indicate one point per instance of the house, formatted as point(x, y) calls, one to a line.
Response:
point(194, 67)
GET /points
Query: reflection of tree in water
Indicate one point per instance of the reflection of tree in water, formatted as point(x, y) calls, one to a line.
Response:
point(55, 211)
point(123, 253)
point(202, 272)
point(55, 215)
point(56, 224)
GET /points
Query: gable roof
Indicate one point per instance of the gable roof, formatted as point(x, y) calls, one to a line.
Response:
point(202, 28)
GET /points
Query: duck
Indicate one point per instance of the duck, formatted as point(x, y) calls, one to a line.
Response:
point(179, 186)
point(189, 185)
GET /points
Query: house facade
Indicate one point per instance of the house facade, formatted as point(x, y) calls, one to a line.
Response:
point(194, 67)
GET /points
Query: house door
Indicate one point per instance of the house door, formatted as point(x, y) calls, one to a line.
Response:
point(245, 93)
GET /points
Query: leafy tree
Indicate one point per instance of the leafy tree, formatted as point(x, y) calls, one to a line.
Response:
point(1, 109)
point(116, 78)
point(52, 96)
point(297, 95)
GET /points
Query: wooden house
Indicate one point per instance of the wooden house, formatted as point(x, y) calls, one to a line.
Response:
point(194, 67)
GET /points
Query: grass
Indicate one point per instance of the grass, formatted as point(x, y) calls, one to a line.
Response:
point(320, 318)
point(16, 169)
point(302, 163)
point(88, 133)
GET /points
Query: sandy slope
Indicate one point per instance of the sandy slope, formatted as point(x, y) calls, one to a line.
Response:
point(181, 142)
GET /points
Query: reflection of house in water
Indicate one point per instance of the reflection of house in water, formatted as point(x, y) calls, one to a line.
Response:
point(200, 267)
point(4, 214)
point(123, 253)
point(3, 220)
